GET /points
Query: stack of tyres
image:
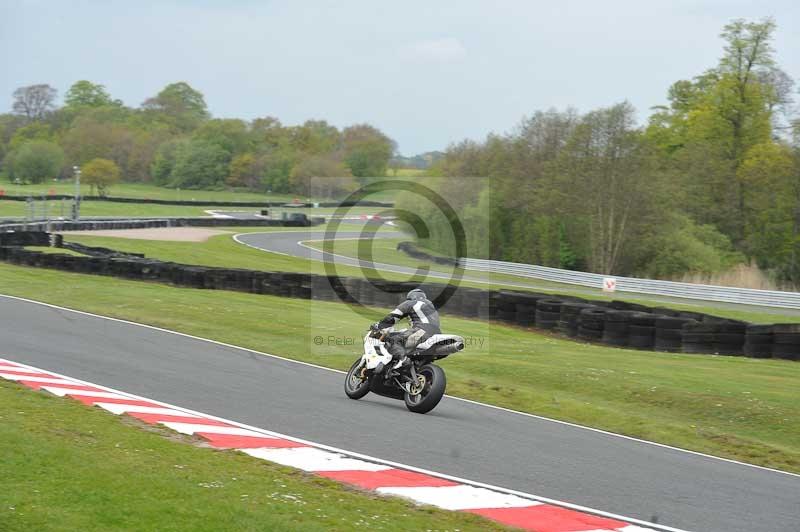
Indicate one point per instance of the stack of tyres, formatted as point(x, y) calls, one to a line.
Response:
point(664, 311)
point(668, 334)
point(548, 312)
point(641, 330)
point(467, 301)
point(615, 329)
point(339, 289)
point(698, 337)
point(303, 289)
point(507, 306)
point(526, 309)
point(352, 287)
point(152, 270)
point(323, 288)
point(193, 276)
point(367, 293)
point(729, 338)
point(625, 305)
point(570, 317)
point(487, 308)
point(591, 323)
point(758, 341)
point(697, 316)
point(786, 341)
point(297, 285)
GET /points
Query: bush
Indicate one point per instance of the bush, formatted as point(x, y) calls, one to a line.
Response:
point(100, 173)
point(37, 161)
point(689, 248)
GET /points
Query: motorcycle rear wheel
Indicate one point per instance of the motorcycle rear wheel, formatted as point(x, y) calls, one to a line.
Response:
point(432, 390)
point(354, 386)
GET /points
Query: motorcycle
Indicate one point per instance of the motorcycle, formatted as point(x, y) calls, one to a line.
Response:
point(415, 379)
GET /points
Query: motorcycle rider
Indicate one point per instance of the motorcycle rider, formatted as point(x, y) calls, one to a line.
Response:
point(424, 323)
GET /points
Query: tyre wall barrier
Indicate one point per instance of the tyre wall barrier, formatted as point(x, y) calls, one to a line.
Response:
point(616, 323)
point(196, 203)
point(96, 225)
point(412, 251)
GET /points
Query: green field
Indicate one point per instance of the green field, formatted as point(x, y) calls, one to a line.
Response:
point(55, 209)
point(19, 209)
point(740, 408)
point(407, 172)
point(224, 251)
point(69, 467)
point(142, 190)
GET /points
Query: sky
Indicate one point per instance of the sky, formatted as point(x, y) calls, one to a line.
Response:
point(428, 73)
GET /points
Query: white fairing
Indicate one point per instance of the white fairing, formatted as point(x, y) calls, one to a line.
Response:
point(375, 352)
point(441, 338)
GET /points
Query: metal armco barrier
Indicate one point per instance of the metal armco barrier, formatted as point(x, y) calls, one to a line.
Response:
point(744, 296)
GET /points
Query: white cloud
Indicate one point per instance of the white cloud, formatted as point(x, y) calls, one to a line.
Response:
point(443, 49)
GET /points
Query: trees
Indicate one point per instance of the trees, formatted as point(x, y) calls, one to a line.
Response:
point(179, 105)
point(714, 120)
point(199, 164)
point(37, 161)
point(100, 173)
point(323, 176)
point(366, 151)
point(606, 176)
point(243, 171)
point(84, 93)
point(165, 159)
point(34, 101)
point(231, 135)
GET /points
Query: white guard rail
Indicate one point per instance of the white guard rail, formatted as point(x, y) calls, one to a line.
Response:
point(744, 296)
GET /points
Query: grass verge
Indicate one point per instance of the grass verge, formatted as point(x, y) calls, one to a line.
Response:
point(739, 408)
point(68, 467)
point(143, 190)
point(223, 251)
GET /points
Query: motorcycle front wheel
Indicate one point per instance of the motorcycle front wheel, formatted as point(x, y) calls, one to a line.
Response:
point(428, 390)
point(356, 386)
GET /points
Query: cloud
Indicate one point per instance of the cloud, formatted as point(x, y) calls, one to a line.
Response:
point(444, 49)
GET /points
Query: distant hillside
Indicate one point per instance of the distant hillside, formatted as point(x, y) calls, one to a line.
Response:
point(422, 161)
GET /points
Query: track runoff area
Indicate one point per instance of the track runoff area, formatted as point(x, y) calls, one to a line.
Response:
point(523, 453)
point(385, 478)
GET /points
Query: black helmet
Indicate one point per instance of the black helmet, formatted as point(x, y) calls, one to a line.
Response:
point(416, 295)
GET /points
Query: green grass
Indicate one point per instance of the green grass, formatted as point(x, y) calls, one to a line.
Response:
point(142, 190)
point(69, 467)
point(407, 172)
point(46, 249)
point(385, 251)
point(741, 408)
point(143, 210)
point(101, 208)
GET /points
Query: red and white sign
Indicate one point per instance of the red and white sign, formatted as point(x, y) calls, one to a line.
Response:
point(609, 284)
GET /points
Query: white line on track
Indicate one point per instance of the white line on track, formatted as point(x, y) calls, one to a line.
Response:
point(441, 275)
point(351, 454)
point(477, 403)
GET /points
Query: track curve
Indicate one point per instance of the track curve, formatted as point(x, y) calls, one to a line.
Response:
point(291, 243)
point(460, 438)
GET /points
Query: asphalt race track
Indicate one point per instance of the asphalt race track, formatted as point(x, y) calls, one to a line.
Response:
point(477, 442)
point(289, 243)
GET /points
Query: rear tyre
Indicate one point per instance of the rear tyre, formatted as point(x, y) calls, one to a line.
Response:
point(354, 386)
point(431, 385)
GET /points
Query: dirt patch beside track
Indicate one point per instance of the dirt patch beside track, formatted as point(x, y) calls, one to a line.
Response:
point(176, 234)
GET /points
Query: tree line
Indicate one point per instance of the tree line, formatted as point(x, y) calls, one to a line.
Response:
point(172, 140)
point(712, 179)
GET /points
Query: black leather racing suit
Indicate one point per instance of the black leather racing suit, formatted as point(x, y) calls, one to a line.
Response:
point(424, 324)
